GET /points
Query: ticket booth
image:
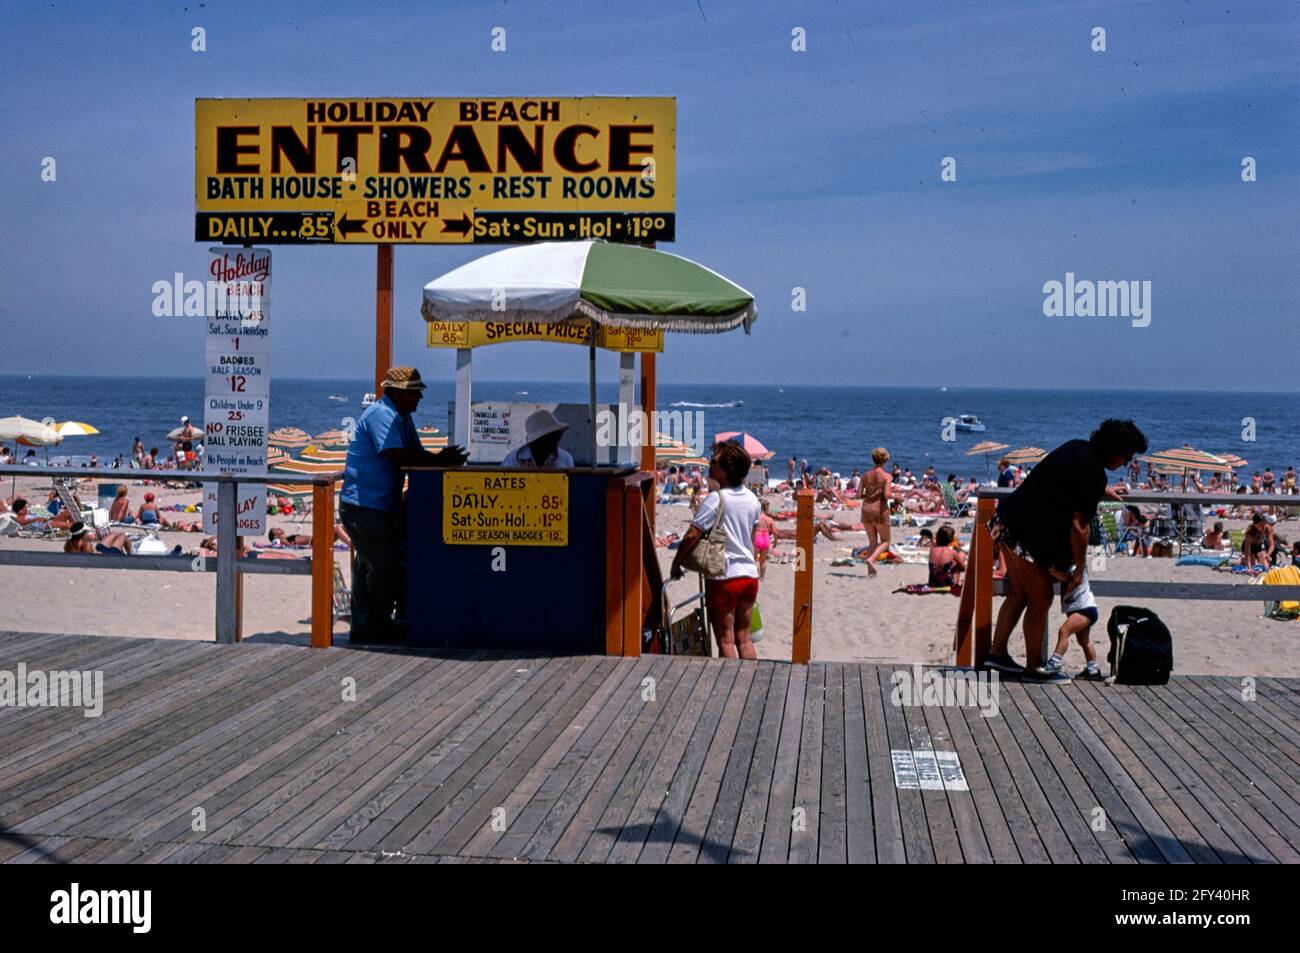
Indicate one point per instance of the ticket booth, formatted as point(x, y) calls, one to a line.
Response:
point(553, 560)
point(534, 560)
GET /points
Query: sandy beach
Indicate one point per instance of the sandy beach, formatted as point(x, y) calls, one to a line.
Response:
point(855, 618)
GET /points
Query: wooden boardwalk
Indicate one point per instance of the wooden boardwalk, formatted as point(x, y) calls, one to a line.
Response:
point(250, 754)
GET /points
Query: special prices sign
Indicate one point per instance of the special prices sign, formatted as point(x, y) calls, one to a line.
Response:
point(505, 508)
point(435, 171)
point(237, 382)
point(460, 334)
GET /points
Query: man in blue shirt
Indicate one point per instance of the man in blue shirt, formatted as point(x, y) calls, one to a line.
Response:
point(370, 506)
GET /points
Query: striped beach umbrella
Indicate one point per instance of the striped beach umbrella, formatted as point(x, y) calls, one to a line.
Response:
point(289, 437)
point(605, 283)
point(1023, 456)
point(611, 284)
point(318, 454)
point(306, 466)
point(1232, 460)
point(986, 448)
point(74, 428)
point(753, 446)
point(1186, 459)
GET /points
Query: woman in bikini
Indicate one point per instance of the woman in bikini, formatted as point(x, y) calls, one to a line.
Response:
point(876, 494)
point(946, 564)
point(764, 535)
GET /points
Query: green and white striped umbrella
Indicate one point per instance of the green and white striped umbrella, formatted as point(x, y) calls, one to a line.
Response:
point(611, 284)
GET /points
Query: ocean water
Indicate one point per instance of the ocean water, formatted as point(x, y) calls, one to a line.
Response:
point(831, 426)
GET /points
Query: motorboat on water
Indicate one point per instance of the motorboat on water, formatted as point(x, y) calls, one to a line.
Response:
point(970, 423)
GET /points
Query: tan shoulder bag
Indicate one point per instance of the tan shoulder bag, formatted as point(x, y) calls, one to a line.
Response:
point(709, 557)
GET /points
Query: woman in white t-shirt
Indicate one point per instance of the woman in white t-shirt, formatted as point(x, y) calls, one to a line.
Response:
point(729, 598)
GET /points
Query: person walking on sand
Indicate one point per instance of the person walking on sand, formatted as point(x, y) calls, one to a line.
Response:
point(876, 494)
point(729, 599)
point(1042, 529)
point(764, 537)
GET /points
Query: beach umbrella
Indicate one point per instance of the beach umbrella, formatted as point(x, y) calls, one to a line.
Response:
point(30, 433)
point(753, 446)
point(987, 448)
point(1232, 460)
point(1025, 455)
point(289, 437)
point(330, 438)
point(306, 466)
point(74, 428)
point(601, 282)
point(196, 434)
point(320, 454)
point(1187, 459)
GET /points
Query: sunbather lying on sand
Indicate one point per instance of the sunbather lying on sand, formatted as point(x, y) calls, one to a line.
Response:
point(279, 537)
point(80, 540)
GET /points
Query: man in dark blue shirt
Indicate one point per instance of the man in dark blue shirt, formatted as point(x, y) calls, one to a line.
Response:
point(370, 506)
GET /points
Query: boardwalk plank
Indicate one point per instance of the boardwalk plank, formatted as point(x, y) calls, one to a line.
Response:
point(805, 835)
point(719, 835)
point(692, 834)
point(916, 828)
point(668, 819)
point(747, 842)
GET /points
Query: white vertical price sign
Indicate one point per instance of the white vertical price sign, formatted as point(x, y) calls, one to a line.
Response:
point(237, 375)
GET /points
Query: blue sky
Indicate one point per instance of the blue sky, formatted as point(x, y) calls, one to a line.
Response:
point(817, 170)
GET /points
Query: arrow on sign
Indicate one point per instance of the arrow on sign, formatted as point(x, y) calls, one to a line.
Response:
point(347, 228)
point(460, 225)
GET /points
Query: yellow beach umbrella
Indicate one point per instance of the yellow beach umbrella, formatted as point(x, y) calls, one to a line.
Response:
point(74, 428)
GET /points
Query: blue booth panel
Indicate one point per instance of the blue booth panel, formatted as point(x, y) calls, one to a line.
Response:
point(548, 598)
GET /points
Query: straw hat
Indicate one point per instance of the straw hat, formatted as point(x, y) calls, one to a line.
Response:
point(541, 423)
point(403, 378)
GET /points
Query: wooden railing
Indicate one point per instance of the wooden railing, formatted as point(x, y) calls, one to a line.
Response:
point(974, 632)
point(224, 564)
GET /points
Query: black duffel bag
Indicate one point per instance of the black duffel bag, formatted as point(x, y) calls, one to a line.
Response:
point(1141, 648)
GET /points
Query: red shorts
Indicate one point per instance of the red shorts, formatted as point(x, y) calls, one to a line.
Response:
point(724, 595)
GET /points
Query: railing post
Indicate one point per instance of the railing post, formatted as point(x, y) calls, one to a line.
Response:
point(633, 610)
point(614, 568)
point(983, 579)
point(801, 647)
point(322, 565)
point(227, 563)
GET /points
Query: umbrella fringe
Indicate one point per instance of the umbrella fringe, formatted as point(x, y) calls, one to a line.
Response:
point(702, 324)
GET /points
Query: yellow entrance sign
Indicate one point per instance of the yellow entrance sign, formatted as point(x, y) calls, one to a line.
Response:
point(505, 508)
point(422, 171)
point(479, 333)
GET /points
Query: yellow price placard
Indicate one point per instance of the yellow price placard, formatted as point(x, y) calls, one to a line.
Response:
point(480, 333)
point(505, 508)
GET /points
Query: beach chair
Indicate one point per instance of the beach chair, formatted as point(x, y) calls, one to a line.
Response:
point(1281, 576)
point(950, 501)
point(342, 595)
point(1110, 532)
